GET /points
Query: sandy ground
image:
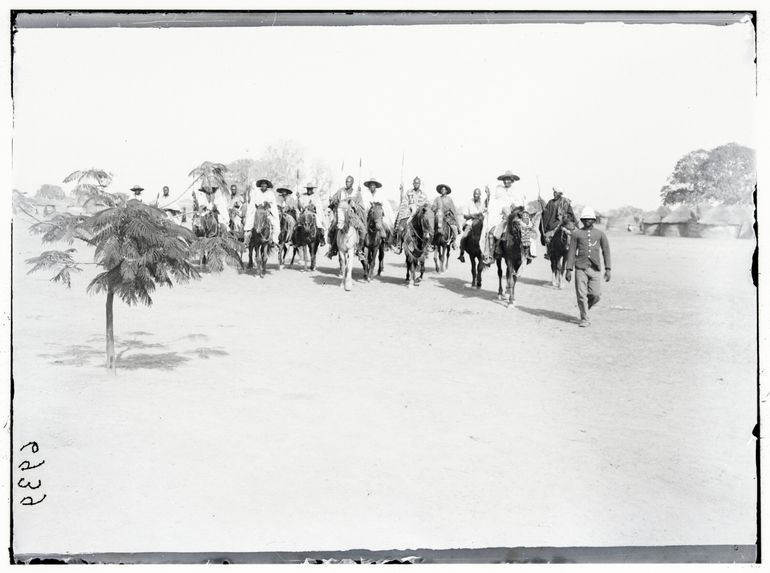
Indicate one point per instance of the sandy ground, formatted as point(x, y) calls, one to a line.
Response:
point(285, 414)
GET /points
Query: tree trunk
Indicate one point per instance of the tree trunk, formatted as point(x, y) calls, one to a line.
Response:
point(110, 333)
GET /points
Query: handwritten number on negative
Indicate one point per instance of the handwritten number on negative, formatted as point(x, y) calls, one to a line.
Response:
point(25, 465)
point(28, 484)
point(29, 501)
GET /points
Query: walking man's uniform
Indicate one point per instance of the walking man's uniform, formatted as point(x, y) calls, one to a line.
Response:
point(347, 195)
point(587, 247)
point(369, 197)
point(260, 193)
point(444, 203)
point(557, 211)
point(409, 204)
point(310, 199)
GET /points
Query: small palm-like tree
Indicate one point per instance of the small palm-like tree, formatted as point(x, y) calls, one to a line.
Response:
point(209, 174)
point(137, 247)
point(91, 185)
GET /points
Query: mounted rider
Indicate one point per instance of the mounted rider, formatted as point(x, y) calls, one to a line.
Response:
point(557, 211)
point(287, 207)
point(444, 203)
point(261, 195)
point(505, 198)
point(346, 195)
point(410, 203)
point(309, 199)
point(473, 212)
point(370, 197)
point(208, 201)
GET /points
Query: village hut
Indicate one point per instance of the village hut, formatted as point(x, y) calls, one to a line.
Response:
point(717, 223)
point(651, 220)
point(678, 222)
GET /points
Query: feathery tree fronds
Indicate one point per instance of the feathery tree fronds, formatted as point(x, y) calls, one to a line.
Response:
point(209, 174)
point(140, 249)
point(219, 250)
point(62, 261)
point(62, 227)
point(22, 203)
point(103, 178)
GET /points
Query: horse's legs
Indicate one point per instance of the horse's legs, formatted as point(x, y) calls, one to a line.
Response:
point(436, 259)
point(479, 269)
point(445, 258)
point(472, 260)
point(499, 280)
point(313, 251)
point(348, 277)
point(509, 282)
point(408, 268)
point(381, 265)
point(554, 271)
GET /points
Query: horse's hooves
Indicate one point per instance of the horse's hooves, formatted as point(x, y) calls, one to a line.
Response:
point(499, 297)
point(478, 286)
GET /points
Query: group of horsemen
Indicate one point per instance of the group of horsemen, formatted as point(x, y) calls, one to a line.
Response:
point(237, 211)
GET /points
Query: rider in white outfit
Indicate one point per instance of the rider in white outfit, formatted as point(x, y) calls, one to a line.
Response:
point(212, 199)
point(260, 193)
point(505, 198)
point(369, 197)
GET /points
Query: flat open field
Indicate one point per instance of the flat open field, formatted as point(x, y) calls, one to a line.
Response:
point(283, 413)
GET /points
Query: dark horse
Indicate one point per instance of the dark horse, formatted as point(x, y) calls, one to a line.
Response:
point(307, 237)
point(205, 226)
point(513, 248)
point(558, 249)
point(260, 239)
point(374, 242)
point(288, 222)
point(442, 241)
point(472, 246)
point(417, 243)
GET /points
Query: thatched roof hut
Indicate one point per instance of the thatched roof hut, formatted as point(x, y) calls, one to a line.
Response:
point(677, 223)
point(651, 220)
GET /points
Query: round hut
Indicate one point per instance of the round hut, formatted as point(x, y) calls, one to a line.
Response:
point(651, 220)
point(678, 222)
point(718, 223)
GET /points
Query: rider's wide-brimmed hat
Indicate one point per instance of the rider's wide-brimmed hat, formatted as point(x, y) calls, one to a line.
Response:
point(310, 186)
point(374, 181)
point(441, 186)
point(261, 181)
point(137, 189)
point(508, 175)
point(588, 213)
point(284, 191)
point(208, 190)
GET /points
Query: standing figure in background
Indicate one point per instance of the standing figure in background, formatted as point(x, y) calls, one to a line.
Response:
point(410, 202)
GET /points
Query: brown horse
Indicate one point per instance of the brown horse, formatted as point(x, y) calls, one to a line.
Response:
point(558, 249)
point(288, 222)
point(472, 247)
point(374, 243)
point(307, 237)
point(417, 243)
point(260, 239)
point(513, 247)
point(442, 240)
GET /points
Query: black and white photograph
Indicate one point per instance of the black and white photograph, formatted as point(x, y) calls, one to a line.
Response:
point(366, 286)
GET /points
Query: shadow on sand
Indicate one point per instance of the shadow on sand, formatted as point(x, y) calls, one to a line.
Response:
point(551, 314)
point(463, 288)
point(93, 353)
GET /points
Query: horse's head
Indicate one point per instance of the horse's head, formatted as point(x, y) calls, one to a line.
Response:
point(375, 217)
point(262, 224)
point(427, 223)
point(307, 220)
point(440, 220)
point(343, 221)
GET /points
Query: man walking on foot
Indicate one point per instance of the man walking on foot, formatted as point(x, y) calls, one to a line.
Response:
point(585, 248)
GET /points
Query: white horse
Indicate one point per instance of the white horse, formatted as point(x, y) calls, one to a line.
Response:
point(347, 240)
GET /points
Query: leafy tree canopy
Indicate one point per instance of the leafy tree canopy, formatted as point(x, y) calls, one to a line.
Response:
point(725, 174)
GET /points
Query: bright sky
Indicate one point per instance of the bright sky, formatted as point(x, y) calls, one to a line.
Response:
point(602, 110)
